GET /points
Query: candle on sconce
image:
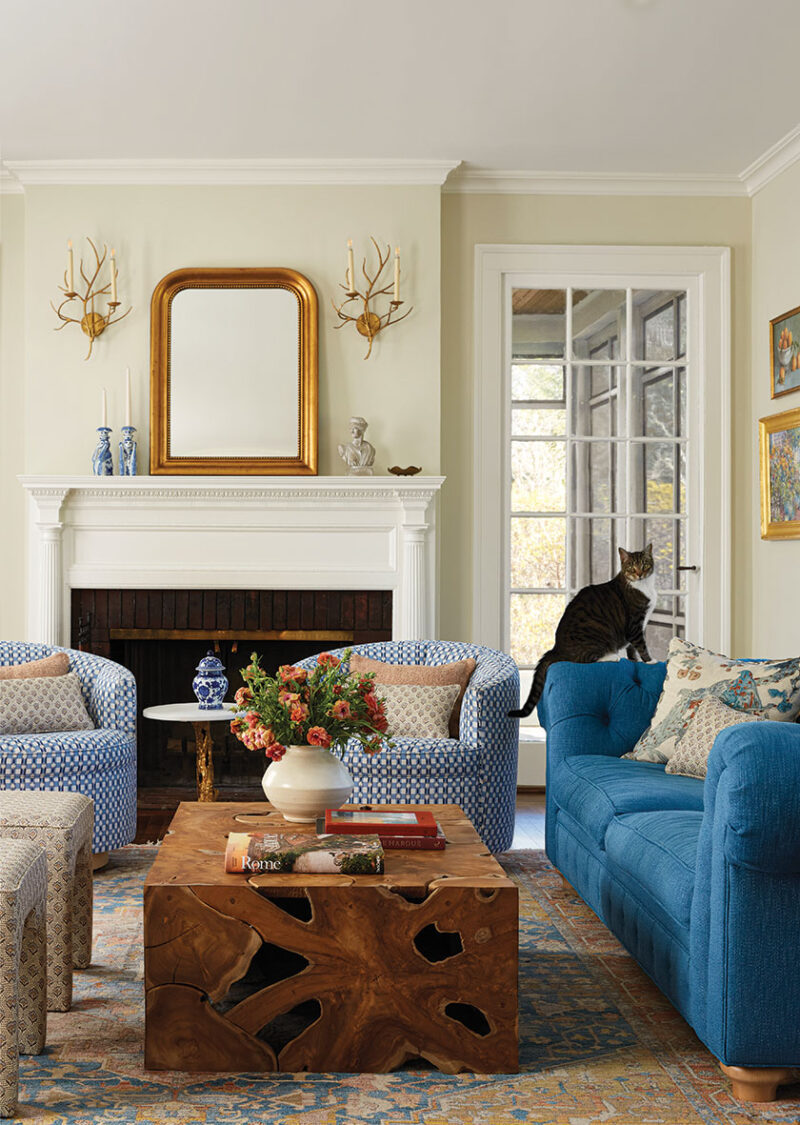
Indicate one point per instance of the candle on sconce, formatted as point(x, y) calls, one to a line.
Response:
point(127, 396)
point(113, 278)
point(397, 274)
point(103, 408)
point(70, 268)
point(351, 272)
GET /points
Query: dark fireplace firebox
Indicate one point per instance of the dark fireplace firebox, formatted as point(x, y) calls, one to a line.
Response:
point(161, 635)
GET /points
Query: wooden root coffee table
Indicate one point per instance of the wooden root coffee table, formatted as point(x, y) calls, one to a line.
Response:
point(295, 972)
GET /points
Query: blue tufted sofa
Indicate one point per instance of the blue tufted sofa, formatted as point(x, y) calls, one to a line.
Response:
point(478, 772)
point(699, 880)
point(99, 763)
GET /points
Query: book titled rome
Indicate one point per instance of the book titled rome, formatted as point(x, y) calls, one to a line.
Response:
point(263, 853)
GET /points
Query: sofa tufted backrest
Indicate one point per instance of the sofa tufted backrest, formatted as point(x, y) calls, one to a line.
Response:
point(599, 708)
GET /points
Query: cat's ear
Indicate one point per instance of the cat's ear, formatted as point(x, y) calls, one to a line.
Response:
point(649, 550)
point(623, 555)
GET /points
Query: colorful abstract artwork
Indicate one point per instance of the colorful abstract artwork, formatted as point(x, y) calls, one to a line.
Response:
point(784, 346)
point(780, 475)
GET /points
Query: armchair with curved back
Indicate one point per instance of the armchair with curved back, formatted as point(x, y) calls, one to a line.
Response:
point(478, 771)
point(99, 763)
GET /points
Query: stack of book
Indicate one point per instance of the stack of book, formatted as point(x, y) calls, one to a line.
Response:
point(348, 842)
point(413, 831)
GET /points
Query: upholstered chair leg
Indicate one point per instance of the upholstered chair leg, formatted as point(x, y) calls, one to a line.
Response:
point(82, 905)
point(59, 939)
point(32, 1000)
point(9, 991)
point(757, 1083)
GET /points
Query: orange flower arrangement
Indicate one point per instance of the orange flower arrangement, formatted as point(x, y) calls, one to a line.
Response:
point(323, 707)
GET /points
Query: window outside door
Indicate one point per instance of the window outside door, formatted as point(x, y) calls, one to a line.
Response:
point(598, 453)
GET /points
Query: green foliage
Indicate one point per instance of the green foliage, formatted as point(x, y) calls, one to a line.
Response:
point(322, 707)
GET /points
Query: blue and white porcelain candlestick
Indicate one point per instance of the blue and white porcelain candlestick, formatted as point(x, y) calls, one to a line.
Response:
point(127, 452)
point(102, 461)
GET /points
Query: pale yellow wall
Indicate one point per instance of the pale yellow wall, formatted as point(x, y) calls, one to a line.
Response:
point(50, 429)
point(773, 565)
point(158, 229)
point(471, 219)
point(12, 389)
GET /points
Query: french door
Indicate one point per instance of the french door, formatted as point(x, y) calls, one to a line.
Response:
point(593, 432)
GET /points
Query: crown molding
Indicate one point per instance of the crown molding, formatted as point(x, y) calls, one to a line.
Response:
point(508, 182)
point(771, 163)
point(268, 172)
point(9, 185)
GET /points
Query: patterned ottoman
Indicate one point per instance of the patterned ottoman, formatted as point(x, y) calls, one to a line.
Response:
point(23, 1014)
point(62, 824)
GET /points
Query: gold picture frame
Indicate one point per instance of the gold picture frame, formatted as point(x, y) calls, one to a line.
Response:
point(779, 454)
point(233, 395)
point(784, 353)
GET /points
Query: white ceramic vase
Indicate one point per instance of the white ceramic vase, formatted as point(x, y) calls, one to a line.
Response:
point(305, 782)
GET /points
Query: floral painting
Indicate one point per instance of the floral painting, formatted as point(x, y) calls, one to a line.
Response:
point(780, 475)
point(784, 342)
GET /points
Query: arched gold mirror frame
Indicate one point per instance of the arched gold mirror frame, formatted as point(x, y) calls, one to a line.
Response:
point(163, 460)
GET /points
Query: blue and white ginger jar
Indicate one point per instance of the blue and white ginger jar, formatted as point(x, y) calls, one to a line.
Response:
point(210, 683)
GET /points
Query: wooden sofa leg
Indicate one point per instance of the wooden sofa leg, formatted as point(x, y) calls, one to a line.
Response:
point(756, 1083)
point(99, 861)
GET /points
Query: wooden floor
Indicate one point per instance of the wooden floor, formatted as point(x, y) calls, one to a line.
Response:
point(157, 806)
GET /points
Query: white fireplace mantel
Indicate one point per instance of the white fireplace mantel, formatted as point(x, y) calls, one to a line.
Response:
point(336, 533)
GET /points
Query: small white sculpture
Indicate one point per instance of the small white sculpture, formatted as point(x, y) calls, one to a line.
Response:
point(358, 454)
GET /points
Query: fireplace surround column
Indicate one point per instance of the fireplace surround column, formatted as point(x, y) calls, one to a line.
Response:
point(51, 578)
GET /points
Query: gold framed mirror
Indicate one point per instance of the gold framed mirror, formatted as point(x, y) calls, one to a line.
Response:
point(233, 378)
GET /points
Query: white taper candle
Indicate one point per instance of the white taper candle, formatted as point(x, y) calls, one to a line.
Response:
point(127, 396)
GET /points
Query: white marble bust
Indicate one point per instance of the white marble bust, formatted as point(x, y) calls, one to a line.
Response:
point(358, 454)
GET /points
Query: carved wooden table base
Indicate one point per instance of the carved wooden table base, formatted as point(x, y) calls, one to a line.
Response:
point(204, 744)
point(328, 973)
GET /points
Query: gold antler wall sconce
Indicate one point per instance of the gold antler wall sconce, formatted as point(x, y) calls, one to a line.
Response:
point(92, 322)
point(369, 323)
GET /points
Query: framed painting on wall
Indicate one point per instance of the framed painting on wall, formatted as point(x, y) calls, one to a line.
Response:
point(779, 442)
point(784, 349)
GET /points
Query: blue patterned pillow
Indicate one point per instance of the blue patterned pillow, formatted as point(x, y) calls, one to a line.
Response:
point(769, 687)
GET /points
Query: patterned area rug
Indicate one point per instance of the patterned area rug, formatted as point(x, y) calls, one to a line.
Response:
point(598, 1042)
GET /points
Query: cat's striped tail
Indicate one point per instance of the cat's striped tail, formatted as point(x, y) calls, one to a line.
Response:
point(537, 687)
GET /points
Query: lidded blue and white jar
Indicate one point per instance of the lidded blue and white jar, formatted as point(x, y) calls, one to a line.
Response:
point(210, 683)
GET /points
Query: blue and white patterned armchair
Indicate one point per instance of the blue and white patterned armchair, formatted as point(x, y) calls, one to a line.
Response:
point(99, 763)
point(477, 772)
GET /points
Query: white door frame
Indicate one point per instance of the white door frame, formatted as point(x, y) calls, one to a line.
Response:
point(704, 272)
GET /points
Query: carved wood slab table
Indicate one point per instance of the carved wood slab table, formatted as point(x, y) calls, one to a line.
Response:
point(328, 973)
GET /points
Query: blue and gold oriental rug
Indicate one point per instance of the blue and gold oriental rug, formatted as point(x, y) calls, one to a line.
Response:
point(598, 1042)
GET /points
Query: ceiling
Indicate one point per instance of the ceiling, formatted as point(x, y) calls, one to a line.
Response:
point(599, 86)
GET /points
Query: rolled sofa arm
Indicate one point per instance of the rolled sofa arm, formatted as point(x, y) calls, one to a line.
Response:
point(598, 708)
point(752, 796)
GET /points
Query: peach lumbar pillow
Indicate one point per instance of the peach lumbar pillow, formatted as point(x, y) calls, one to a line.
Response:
point(427, 675)
point(55, 665)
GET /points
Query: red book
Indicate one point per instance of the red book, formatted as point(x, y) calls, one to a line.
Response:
point(435, 843)
point(414, 843)
point(367, 821)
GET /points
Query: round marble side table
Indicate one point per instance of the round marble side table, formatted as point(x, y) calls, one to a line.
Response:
point(201, 720)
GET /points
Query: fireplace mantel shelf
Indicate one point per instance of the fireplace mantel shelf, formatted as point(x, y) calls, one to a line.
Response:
point(337, 533)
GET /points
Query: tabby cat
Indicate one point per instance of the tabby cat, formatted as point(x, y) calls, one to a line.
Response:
point(602, 622)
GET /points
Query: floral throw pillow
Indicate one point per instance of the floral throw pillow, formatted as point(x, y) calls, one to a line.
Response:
point(419, 711)
point(771, 688)
point(711, 717)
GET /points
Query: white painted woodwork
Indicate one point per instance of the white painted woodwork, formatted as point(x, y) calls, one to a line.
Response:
point(704, 273)
point(335, 533)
